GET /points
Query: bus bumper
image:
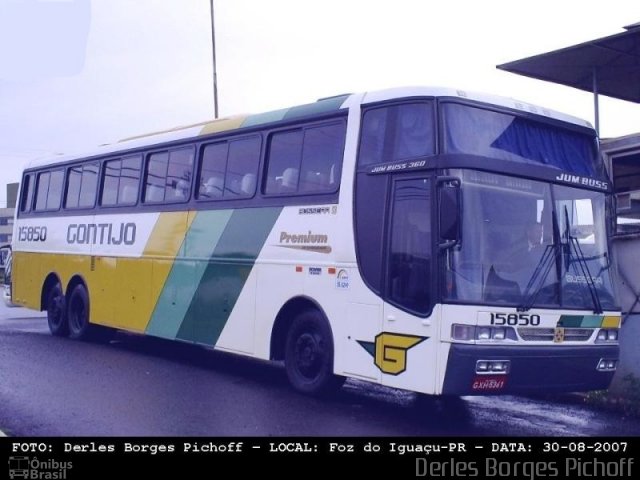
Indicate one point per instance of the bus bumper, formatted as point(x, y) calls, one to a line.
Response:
point(531, 369)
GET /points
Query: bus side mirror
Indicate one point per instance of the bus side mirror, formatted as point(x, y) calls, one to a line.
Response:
point(449, 201)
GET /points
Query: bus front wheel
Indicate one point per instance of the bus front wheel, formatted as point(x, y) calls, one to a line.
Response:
point(78, 313)
point(57, 312)
point(309, 355)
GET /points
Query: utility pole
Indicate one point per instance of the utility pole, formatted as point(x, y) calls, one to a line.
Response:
point(215, 74)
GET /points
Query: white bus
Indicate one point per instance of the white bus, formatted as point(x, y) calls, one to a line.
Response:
point(426, 239)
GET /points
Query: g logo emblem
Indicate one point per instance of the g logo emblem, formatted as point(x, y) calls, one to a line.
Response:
point(390, 351)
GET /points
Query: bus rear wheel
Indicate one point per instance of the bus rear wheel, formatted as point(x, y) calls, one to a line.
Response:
point(78, 313)
point(57, 312)
point(309, 355)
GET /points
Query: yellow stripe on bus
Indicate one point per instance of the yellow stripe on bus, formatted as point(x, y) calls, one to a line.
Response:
point(140, 280)
point(611, 321)
point(123, 291)
point(223, 124)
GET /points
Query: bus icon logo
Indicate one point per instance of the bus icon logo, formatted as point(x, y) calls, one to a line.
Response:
point(558, 335)
point(18, 467)
point(389, 351)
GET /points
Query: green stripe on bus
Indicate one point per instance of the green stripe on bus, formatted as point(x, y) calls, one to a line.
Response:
point(580, 321)
point(321, 106)
point(225, 275)
point(570, 321)
point(187, 271)
point(326, 105)
point(262, 118)
point(592, 321)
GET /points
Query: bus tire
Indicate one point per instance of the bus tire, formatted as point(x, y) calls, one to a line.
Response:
point(78, 313)
point(57, 312)
point(309, 355)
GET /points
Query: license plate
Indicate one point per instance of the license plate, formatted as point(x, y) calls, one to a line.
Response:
point(488, 383)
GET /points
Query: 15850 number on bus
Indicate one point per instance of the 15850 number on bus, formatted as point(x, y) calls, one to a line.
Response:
point(515, 319)
point(32, 234)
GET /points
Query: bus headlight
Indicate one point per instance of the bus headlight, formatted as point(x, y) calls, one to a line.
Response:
point(496, 367)
point(607, 365)
point(607, 335)
point(467, 333)
point(499, 333)
point(484, 333)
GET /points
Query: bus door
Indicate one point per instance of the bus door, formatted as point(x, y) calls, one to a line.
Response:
point(409, 337)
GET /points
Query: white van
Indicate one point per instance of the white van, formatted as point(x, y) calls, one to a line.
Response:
point(5, 261)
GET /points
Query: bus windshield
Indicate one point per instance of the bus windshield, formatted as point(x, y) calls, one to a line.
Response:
point(527, 243)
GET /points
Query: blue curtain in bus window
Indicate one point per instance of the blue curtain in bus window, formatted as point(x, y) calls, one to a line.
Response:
point(498, 135)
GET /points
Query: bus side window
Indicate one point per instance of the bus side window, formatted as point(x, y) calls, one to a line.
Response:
point(26, 198)
point(212, 168)
point(49, 190)
point(82, 182)
point(88, 185)
point(414, 132)
point(397, 132)
point(322, 153)
point(129, 184)
point(178, 183)
point(121, 181)
point(156, 177)
point(168, 176)
point(372, 138)
point(285, 153)
point(306, 161)
point(242, 167)
point(55, 190)
point(230, 169)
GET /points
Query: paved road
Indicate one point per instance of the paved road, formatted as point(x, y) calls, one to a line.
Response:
point(143, 386)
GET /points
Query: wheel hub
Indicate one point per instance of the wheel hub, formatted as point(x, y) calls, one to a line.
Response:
point(308, 355)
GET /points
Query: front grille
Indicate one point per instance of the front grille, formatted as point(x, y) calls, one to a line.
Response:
point(531, 334)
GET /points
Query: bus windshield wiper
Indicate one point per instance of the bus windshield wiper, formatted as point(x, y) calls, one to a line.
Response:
point(574, 245)
point(540, 274)
point(538, 278)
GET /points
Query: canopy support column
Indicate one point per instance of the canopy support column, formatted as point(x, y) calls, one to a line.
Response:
point(596, 103)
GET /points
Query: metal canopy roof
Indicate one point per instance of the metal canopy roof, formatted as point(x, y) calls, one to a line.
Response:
point(608, 66)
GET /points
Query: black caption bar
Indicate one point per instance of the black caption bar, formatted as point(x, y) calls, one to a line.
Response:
point(522, 458)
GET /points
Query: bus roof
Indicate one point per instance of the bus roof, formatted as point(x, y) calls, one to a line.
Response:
point(322, 106)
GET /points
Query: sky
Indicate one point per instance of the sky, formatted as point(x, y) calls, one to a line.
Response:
point(79, 73)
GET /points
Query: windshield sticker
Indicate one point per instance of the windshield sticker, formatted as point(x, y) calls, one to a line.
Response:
point(394, 167)
point(583, 279)
point(342, 280)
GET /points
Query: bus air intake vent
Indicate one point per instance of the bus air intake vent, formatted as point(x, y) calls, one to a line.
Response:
point(547, 334)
